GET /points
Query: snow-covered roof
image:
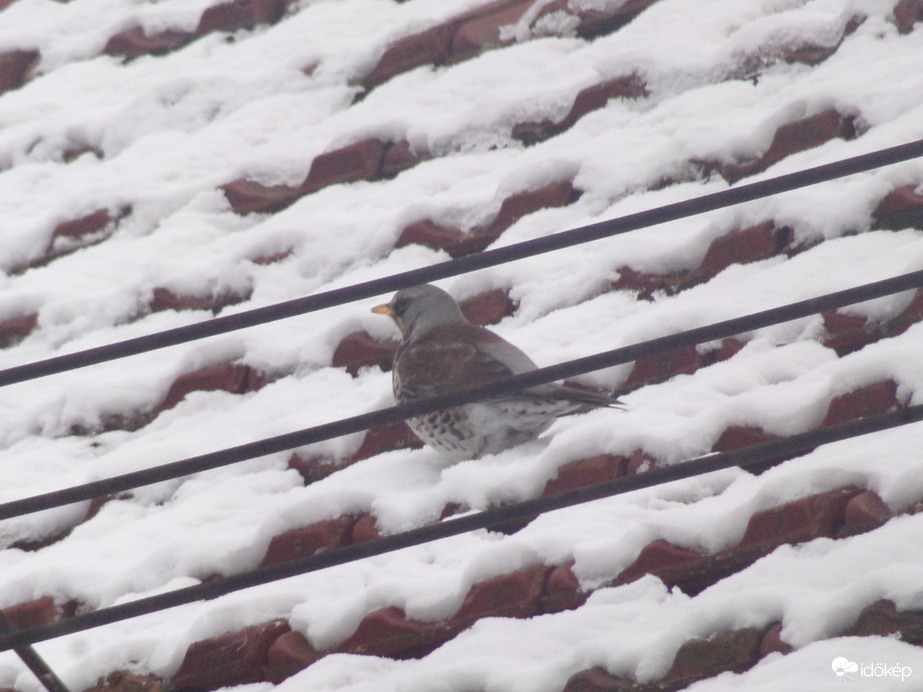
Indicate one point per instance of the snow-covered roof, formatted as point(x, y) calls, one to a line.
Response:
point(166, 161)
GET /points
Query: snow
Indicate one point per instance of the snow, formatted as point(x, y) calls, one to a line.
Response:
point(171, 129)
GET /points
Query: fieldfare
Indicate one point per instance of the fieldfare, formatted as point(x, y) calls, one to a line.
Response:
point(441, 351)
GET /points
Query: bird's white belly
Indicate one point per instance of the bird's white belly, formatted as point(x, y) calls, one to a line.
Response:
point(483, 428)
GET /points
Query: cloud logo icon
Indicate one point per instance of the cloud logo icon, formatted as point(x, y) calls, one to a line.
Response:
point(842, 667)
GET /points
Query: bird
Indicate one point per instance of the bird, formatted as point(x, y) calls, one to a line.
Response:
point(441, 351)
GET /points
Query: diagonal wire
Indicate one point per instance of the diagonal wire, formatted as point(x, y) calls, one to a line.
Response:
point(528, 509)
point(618, 356)
point(462, 265)
point(21, 640)
point(33, 660)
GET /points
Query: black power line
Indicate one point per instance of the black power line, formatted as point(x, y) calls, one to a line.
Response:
point(21, 641)
point(394, 414)
point(528, 509)
point(33, 660)
point(462, 265)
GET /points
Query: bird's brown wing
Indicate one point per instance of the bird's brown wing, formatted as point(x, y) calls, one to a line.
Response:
point(444, 361)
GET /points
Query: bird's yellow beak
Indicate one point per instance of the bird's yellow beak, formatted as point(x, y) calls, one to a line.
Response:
point(384, 309)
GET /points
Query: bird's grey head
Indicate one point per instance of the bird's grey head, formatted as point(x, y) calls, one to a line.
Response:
point(418, 309)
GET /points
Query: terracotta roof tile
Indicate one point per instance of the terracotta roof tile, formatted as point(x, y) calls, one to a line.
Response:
point(231, 659)
point(288, 654)
point(223, 16)
point(901, 208)
point(458, 243)
point(15, 67)
point(436, 181)
point(15, 329)
point(589, 99)
point(126, 681)
point(291, 545)
point(734, 651)
point(790, 138)
point(227, 377)
point(863, 512)
point(41, 611)
point(906, 14)
point(428, 47)
point(358, 161)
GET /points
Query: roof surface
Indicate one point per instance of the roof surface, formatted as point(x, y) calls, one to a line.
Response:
point(166, 161)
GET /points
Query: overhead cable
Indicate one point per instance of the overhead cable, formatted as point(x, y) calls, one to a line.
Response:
point(386, 416)
point(773, 450)
point(488, 258)
point(33, 660)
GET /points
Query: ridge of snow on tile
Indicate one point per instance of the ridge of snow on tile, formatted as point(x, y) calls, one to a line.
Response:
point(499, 121)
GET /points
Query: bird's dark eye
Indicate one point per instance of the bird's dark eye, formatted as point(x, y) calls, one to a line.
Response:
point(400, 306)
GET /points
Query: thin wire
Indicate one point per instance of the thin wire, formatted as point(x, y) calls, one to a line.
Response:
point(34, 661)
point(775, 449)
point(462, 265)
point(394, 414)
point(20, 640)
